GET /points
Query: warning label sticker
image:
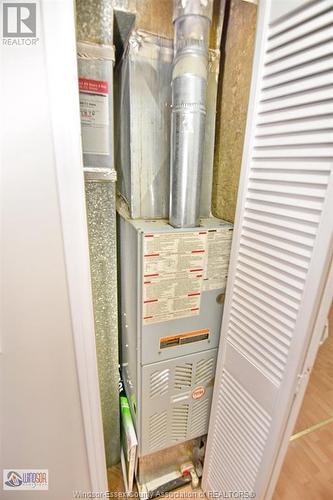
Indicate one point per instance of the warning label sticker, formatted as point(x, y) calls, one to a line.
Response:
point(184, 338)
point(173, 269)
point(94, 109)
point(217, 259)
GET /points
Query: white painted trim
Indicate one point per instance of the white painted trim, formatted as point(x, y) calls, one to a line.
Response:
point(58, 37)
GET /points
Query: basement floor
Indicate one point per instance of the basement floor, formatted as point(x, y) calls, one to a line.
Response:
point(308, 468)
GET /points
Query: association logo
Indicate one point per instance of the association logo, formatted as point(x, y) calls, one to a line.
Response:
point(26, 479)
point(19, 23)
point(14, 479)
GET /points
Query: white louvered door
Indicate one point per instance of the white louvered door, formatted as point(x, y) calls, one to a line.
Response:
point(282, 245)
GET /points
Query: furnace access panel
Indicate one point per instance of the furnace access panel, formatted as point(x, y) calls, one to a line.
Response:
point(172, 290)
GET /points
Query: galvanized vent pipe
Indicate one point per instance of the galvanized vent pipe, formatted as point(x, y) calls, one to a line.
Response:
point(192, 20)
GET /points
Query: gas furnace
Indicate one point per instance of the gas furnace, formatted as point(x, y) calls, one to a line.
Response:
point(172, 292)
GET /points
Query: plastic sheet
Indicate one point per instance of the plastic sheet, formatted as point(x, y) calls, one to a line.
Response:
point(142, 136)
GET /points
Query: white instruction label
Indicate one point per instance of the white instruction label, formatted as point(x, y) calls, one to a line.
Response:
point(217, 263)
point(94, 108)
point(173, 269)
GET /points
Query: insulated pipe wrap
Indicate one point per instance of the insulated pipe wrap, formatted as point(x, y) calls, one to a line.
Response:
point(189, 83)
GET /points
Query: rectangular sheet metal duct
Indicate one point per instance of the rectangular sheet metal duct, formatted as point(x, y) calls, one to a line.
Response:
point(142, 142)
point(95, 21)
point(101, 215)
point(95, 68)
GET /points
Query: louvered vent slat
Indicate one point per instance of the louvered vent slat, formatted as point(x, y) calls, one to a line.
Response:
point(287, 32)
point(227, 480)
point(268, 301)
point(301, 58)
point(267, 323)
point(266, 251)
point(301, 151)
point(302, 45)
point(255, 443)
point(317, 166)
point(309, 98)
point(288, 187)
point(268, 306)
point(157, 430)
point(259, 319)
point(297, 87)
point(259, 254)
point(291, 115)
point(293, 74)
point(279, 274)
point(204, 370)
point(290, 241)
point(241, 418)
point(159, 383)
point(236, 449)
point(255, 235)
point(305, 231)
point(285, 200)
point(183, 376)
point(300, 176)
point(259, 285)
point(285, 289)
point(179, 427)
point(199, 417)
point(273, 229)
point(239, 320)
point(312, 137)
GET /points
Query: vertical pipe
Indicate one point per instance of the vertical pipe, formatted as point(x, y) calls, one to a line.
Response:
point(192, 20)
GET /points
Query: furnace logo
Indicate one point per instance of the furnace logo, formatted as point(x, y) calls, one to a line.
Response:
point(198, 392)
point(19, 23)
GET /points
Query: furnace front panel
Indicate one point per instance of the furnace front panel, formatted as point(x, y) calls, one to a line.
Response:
point(172, 291)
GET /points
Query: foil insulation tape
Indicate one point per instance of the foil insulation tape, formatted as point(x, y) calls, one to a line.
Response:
point(95, 21)
point(189, 88)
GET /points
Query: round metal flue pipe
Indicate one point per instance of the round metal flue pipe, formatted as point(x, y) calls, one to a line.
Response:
point(192, 19)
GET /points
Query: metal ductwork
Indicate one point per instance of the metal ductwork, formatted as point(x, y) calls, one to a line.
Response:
point(192, 20)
